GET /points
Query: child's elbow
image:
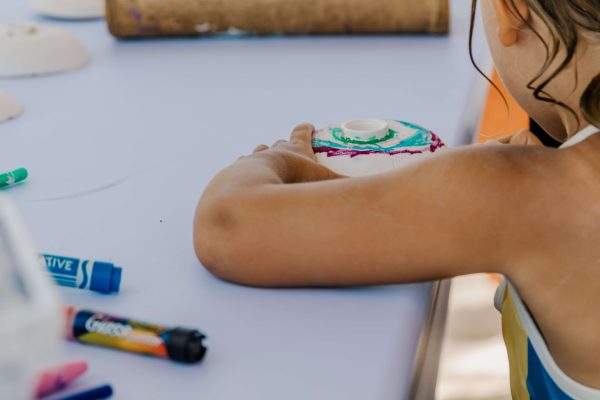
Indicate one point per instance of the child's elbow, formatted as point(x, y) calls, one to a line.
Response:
point(215, 230)
point(212, 224)
point(208, 255)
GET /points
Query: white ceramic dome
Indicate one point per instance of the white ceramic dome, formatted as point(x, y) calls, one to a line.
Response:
point(28, 49)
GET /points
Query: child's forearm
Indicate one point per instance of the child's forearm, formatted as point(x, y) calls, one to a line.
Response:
point(252, 229)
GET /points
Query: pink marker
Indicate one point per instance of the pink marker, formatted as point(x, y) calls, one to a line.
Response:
point(52, 380)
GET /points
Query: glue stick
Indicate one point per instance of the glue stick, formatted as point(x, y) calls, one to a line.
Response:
point(100, 329)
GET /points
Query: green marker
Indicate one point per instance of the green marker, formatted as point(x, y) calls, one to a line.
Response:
point(13, 177)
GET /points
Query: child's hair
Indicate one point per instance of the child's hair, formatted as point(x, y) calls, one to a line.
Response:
point(566, 21)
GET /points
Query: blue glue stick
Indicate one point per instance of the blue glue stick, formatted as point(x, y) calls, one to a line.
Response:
point(91, 275)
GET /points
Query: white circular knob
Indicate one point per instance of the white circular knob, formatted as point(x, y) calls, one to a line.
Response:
point(364, 130)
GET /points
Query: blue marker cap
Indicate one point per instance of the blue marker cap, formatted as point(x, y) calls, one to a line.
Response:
point(98, 393)
point(106, 278)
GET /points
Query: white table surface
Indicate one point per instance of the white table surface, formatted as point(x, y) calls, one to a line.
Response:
point(119, 153)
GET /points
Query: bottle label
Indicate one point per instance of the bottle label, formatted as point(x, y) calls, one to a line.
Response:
point(64, 270)
point(105, 330)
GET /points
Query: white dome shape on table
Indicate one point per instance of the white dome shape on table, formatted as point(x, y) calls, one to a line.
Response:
point(70, 9)
point(28, 49)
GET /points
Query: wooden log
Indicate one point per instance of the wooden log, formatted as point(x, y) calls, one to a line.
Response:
point(139, 18)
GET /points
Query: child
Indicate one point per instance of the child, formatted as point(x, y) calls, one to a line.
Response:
point(530, 213)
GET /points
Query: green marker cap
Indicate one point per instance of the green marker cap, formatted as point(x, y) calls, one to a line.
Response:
point(12, 177)
point(20, 174)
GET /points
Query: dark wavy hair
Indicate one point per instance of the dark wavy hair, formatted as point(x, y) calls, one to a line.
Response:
point(566, 20)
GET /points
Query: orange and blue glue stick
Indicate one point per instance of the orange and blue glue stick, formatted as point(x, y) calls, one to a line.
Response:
point(100, 329)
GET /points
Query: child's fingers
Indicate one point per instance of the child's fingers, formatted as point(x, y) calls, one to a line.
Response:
point(302, 134)
point(279, 143)
point(526, 137)
point(532, 139)
point(492, 142)
point(261, 147)
point(523, 137)
point(505, 139)
point(515, 138)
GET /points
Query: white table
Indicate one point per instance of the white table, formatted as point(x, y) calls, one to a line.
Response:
point(120, 151)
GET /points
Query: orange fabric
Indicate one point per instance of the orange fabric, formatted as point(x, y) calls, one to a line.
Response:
point(496, 122)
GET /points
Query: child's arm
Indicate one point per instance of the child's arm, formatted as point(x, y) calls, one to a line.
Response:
point(277, 218)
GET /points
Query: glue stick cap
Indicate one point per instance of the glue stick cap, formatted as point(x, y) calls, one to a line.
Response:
point(106, 278)
point(185, 345)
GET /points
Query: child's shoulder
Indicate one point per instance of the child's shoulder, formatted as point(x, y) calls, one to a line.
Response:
point(556, 268)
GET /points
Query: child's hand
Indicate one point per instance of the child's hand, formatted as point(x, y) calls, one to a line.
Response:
point(523, 137)
point(294, 160)
point(252, 187)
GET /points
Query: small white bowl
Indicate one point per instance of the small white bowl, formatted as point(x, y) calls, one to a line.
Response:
point(27, 49)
